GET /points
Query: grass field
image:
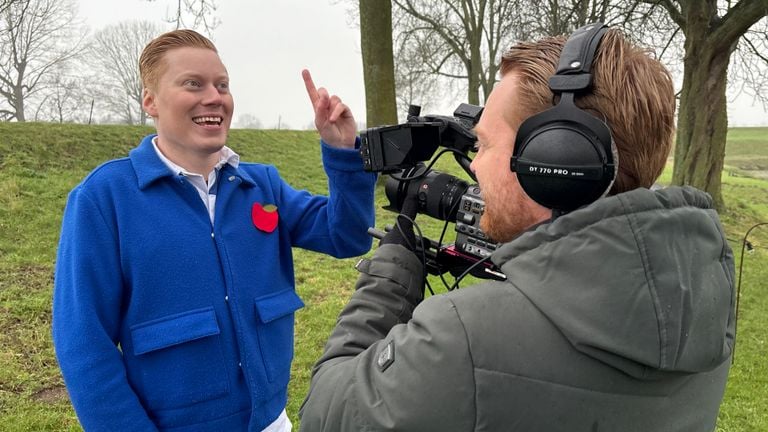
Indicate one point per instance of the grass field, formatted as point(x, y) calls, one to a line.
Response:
point(40, 163)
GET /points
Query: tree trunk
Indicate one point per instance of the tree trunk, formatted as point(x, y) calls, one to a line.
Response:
point(702, 121)
point(18, 96)
point(378, 63)
point(474, 69)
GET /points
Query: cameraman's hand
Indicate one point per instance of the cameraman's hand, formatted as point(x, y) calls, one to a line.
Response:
point(402, 233)
point(333, 119)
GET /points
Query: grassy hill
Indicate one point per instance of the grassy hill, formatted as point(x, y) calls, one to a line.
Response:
point(40, 163)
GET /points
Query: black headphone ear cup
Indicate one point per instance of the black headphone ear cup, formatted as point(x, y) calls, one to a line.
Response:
point(562, 158)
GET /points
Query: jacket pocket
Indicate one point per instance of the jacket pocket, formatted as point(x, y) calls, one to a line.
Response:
point(179, 359)
point(275, 330)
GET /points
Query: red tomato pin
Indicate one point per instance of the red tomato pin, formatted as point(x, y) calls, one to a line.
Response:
point(264, 218)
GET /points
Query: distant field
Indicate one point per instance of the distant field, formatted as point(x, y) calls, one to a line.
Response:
point(40, 163)
point(747, 151)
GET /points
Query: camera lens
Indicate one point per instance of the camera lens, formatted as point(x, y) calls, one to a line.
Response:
point(438, 193)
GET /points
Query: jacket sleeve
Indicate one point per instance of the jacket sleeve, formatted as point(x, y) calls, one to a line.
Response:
point(86, 318)
point(337, 224)
point(389, 365)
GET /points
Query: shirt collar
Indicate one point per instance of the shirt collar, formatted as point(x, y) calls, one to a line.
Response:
point(226, 156)
point(149, 167)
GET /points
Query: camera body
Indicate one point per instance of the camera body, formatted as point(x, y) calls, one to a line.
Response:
point(401, 151)
point(470, 239)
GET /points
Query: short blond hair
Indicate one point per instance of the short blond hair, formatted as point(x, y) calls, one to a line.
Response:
point(151, 60)
point(632, 92)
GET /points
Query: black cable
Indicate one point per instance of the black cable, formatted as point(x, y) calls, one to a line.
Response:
point(440, 241)
point(430, 165)
point(423, 257)
point(466, 272)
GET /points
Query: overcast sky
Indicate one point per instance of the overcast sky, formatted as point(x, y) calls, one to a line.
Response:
point(265, 44)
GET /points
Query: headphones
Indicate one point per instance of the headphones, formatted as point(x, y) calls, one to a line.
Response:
point(564, 157)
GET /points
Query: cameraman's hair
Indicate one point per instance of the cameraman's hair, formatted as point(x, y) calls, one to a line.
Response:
point(151, 60)
point(632, 92)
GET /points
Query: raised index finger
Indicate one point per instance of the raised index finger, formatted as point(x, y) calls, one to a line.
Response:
point(310, 85)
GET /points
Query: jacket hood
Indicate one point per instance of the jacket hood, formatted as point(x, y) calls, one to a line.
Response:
point(642, 281)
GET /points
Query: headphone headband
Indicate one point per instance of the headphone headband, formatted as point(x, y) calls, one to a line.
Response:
point(573, 70)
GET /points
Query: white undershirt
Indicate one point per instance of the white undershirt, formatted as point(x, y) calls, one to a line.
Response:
point(206, 190)
point(281, 424)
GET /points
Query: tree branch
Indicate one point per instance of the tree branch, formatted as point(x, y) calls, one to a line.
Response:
point(738, 20)
point(672, 10)
point(755, 51)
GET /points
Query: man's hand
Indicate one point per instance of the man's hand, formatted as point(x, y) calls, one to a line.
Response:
point(333, 119)
point(402, 232)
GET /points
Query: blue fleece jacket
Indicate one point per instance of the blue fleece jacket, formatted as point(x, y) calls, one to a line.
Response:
point(162, 321)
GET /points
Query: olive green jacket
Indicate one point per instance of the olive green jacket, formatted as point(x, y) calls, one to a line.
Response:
point(615, 317)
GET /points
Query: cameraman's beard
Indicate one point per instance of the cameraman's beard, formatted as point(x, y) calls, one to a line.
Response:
point(506, 215)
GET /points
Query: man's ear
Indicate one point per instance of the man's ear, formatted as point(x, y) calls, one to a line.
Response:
point(148, 102)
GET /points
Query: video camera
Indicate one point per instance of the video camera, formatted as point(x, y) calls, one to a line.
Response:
point(401, 151)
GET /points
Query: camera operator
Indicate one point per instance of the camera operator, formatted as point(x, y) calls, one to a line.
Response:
point(616, 313)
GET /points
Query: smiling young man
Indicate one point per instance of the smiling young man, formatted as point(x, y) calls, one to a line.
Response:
point(174, 288)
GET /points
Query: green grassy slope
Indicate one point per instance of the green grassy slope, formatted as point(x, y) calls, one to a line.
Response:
point(40, 163)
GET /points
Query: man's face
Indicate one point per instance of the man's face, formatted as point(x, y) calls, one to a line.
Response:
point(508, 210)
point(191, 104)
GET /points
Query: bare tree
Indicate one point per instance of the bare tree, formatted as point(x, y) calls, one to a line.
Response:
point(460, 38)
point(36, 37)
point(194, 14)
point(113, 55)
point(450, 43)
point(64, 101)
point(559, 17)
point(748, 73)
point(415, 84)
point(5, 4)
point(714, 36)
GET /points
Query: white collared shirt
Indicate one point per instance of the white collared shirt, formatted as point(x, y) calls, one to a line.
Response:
point(207, 191)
